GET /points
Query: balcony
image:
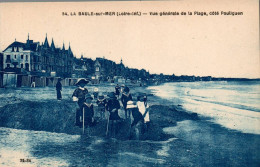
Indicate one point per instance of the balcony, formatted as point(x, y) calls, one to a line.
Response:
point(8, 61)
point(14, 70)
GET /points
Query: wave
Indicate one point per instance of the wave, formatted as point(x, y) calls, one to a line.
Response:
point(234, 105)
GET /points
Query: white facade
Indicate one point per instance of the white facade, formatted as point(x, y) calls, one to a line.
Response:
point(16, 55)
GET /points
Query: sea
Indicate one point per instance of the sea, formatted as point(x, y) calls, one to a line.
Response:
point(234, 105)
point(227, 134)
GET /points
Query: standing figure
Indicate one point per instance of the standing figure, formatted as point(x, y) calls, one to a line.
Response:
point(122, 89)
point(59, 89)
point(95, 93)
point(117, 90)
point(79, 96)
point(143, 108)
point(88, 112)
point(112, 107)
point(101, 102)
point(126, 96)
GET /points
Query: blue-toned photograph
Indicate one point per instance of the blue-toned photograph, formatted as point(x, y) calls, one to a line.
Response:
point(130, 84)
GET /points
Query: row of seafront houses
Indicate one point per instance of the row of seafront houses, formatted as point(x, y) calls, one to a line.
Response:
point(22, 64)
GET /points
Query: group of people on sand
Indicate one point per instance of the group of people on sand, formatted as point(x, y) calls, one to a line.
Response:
point(109, 105)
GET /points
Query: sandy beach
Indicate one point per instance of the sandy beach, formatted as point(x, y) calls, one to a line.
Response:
point(175, 137)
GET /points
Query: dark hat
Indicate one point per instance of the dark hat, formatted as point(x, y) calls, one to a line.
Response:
point(88, 96)
point(111, 95)
point(81, 80)
point(126, 89)
point(141, 96)
point(101, 96)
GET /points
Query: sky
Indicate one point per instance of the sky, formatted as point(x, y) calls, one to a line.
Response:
point(219, 46)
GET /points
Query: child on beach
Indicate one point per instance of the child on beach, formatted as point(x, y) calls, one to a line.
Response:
point(126, 96)
point(79, 96)
point(143, 108)
point(122, 87)
point(95, 93)
point(137, 125)
point(117, 90)
point(88, 112)
point(101, 102)
point(112, 107)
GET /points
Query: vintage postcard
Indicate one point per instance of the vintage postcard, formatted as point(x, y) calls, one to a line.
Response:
point(129, 83)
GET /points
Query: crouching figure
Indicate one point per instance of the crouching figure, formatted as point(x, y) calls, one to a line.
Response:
point(137, 125)
point(143, 108)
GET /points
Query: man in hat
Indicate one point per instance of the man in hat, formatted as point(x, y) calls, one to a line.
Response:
point(79, 96)
point(126, 96)
point(101, 102)
point(112, 107)
point(59, 89)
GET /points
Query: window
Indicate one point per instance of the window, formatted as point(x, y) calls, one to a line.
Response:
point(15, 56)
point(26, 57)
point(27, 66)
point(22, 65)
point(38, 67)
point(97, 68)
point(8, 57)
point(21, 56)
point(8, 65)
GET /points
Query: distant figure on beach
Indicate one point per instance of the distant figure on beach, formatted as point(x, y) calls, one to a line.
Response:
point(138, 122)
point(59, 89)
point(126, 96)
point(88, 112)
point(33, 84)
point(101, 102)
point(143, 108)
point(95, 93)
point(117, 90)
point(79, 96)
point(112, 107)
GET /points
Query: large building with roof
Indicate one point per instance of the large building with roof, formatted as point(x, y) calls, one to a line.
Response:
point(38, 59)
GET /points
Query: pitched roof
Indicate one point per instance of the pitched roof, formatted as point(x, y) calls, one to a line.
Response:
point(52, 44)
point(46, 43)
point(31, 46)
